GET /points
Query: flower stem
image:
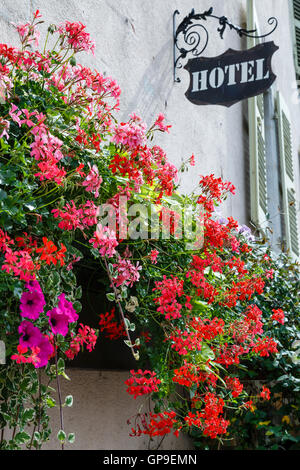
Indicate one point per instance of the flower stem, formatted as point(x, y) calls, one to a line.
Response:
point(120, 306)
point(61, 415)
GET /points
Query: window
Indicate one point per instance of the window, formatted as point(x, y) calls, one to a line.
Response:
point(291, 233)
point(272, 180)
point(258, 167)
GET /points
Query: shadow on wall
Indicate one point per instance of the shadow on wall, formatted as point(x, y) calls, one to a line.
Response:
point(154, 87)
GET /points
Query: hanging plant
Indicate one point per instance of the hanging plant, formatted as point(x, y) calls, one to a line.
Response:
point(181, 299)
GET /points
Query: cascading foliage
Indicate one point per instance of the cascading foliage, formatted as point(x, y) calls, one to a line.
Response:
point(186, 314)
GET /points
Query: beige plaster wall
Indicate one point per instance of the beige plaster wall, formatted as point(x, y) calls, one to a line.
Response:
point(100, 412)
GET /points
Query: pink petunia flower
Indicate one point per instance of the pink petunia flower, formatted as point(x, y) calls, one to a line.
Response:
point(45, 352)
point(30, 335)
point(67, 308)
point(32, 304)
point(59, 321)
point(33, 286)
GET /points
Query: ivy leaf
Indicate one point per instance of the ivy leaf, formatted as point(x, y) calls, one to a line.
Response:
point(69, 400)
point(77, 305)
point(60, 365)
point(50, 402)
point(111, 296)
point(28, 414)
point(61, 435)
point(22, 437)
point(71, 438)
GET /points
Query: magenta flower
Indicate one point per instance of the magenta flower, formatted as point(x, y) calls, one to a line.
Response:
point(45, 351)
point(33, 286)
point(30, 335)
point(58, 321)
point(67, 308)
point(32, 304)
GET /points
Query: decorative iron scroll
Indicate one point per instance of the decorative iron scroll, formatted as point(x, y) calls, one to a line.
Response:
point(194, 36)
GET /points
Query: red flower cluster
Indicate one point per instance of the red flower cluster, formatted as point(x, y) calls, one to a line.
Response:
point(278, 315)
point(75, 36)
point(73, 218)
point(159, 424)
point(187, 375)
point(208, 419)
point(213, 189)
point(49, 252)
point(110, 327)
point(142, 383)
point(21, 358)
point(234, 385)
point(265, 346)
point(144, 165)
point(85, 336)
point(26, 262)
point(265, 393)
point(196, 331)
point(169, 289)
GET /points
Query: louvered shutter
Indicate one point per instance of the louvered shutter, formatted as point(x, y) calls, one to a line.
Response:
point(257, 147)
point(296, 16)
point(291, 228)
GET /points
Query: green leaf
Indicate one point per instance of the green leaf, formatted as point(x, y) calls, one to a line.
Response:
point(50, 402)
point(71, 438)
point(111, 296)
point(3, 194)
point(60, 365)
point(205, 354)
point(61, 435)
point(28, 414)
point(78, 292)
point(69, 400)
point(127, 323)
point(65, 376)
point(22, 437)
point(110, 268)
point(77, 305)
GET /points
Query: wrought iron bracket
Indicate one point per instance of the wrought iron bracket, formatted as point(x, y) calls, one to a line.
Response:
point(191, 37)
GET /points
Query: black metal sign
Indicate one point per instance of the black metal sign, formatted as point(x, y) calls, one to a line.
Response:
point(232, 76)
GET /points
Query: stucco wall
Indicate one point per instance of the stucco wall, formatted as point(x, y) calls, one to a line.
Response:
point(100, 412)
point(134, 45)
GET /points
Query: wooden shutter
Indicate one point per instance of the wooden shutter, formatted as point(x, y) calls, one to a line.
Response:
point(257, 147)
point(296, 18)
point(291, 228)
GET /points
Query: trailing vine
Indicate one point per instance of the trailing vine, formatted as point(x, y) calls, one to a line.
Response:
point(183, 305)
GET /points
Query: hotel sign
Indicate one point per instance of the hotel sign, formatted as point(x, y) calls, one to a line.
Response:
point(232, 76)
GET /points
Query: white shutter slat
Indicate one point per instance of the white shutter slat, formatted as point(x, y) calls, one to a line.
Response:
point(296, 17)
point(258, 166)
point(287, 177)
